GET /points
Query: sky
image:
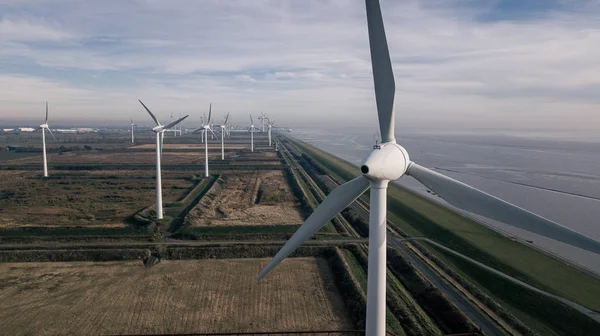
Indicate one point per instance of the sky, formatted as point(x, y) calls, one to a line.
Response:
point(530, 64)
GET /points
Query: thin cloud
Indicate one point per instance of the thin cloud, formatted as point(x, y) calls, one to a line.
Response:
point(456, 62)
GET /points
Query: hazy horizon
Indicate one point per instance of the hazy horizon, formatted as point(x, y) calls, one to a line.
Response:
point(463, 64)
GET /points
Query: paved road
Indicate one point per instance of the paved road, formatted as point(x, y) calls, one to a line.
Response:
point(487, 326)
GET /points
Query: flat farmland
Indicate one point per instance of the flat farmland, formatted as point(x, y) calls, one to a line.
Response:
point(195, 296)
point(199, 146)
point(123, 157)
point(94, 198)
point(248, 198)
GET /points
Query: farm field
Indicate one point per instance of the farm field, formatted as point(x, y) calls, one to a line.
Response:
point(248, 198)
point(91, 198)
point(202, 296)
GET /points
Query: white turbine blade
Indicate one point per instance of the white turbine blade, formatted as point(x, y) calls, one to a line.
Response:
point(468, 198)
point(213, 133)
point(335, 202)
point(383, 75)
point(152, 115)
point(49, 130)
point(209, 113)
point(45, 122)
point(251, 121)
point(175, 122)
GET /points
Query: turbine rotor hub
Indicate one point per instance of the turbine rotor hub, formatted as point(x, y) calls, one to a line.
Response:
point(388, 161)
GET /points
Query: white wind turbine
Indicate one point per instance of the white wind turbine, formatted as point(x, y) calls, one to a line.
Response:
point(45, 127)
point(270, 125)
point(262, 118)
point(223, 132)
point(251, 130)
point(205, 129)
point(160, 134)
point(201, 129)
point(388, 162)
point(132, 127)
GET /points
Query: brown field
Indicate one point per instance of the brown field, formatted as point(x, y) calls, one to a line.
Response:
point(92, 198)
point(248, 198)
point(97, 157)
point(199, 296)
point(199, 147)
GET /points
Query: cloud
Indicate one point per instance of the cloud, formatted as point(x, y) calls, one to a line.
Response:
point(464, 63)
point(27, 31)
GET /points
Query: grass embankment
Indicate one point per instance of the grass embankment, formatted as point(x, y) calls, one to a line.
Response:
point(418, 216)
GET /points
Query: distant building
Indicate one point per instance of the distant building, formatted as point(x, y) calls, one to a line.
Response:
point(26, 129)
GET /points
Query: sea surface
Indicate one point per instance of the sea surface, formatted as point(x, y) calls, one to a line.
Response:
point(554, 174)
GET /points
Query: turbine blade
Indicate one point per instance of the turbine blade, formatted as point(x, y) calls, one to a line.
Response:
point(383, 75)
point(198, 130)
point(152, 115)
point(335, 202)
point(175, 122)
point(209, 113)
point(45, 122)
point(251, 121)
point(49, 130)
point(213, 133)
point(468, 198)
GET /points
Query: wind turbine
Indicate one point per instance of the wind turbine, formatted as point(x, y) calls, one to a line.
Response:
point(45, 127)
point(388, 162)
point(270, 124)
point(201, 129)
point(132, 126)
point(160, 133)
point(251, 130)
point(262, 121)
point(223, 131)
point(204, 129)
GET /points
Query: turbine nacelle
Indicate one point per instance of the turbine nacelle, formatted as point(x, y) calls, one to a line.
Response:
point(159, 128)
point(388, 161)
point(44, 126)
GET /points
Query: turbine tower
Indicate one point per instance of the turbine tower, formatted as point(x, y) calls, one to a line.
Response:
point(251, 130)
point(270, 124)
point(45, 127)
point(160, 133)
point(390, 161)
point(223, 131)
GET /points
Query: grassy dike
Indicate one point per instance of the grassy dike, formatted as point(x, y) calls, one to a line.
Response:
point(417, 216)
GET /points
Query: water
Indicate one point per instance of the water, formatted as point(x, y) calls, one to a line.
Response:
point(556, 175)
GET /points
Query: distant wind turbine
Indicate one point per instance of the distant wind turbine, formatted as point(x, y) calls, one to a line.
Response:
point(132, 126)
point(45, 127)
point(223, 132)
point(270, 124)
point(160, 133)
point(205, 129)
point(251, 130)
point(262, 118)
